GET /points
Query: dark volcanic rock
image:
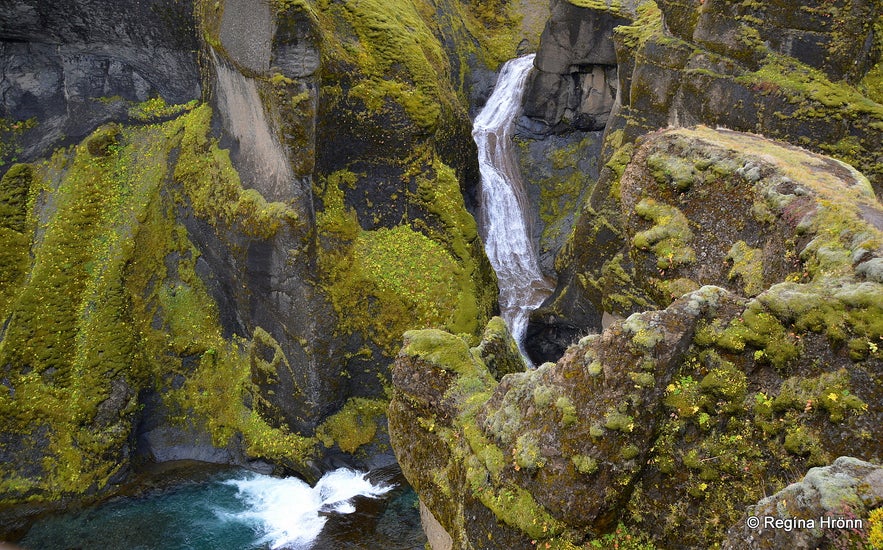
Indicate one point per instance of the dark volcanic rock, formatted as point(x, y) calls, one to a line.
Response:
point(574, 82)
point(75, 68)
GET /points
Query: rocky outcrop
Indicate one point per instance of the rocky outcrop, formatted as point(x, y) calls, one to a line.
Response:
point(574, 84)
point(715, 63)
point(671, 421)
point(828, 508)
point(228, 280)
point(69, 70)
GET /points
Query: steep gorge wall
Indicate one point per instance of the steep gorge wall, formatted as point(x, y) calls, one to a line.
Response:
point(675, 67)
point(745, 274)
point(228, 280)
point(683, 414)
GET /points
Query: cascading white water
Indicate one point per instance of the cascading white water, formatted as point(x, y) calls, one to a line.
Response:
point(287, 510)
point(503, 223)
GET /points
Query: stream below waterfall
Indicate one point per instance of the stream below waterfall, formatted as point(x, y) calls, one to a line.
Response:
point(205, 507)
point(503, 209)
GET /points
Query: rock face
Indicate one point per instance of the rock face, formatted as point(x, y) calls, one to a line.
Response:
point(847, 490)
point(228, 279)
point(740, 65)
point(70, 70)
point(573, 86)
point(672, 420)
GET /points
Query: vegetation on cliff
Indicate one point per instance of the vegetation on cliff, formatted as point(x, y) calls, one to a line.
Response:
point(733, 389)
point(108, 304)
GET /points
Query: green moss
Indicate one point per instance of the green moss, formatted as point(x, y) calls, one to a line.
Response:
point(443, 349)
point(829, 391)
point(111, 305)
point(675, 288)
point(724, 381)
point(584, 464)
point(397, 54)
point(214, 188)
point(645, 336)
point(393, 280)
point(643, 379)
point(747, 266)
point(815, 97)
point(567, 409)
point(156, 108)
point(629, 452)
point(386, 281)
point(354, 425)
point(11, 132)
point(527, 452)
point(668, 170)
point(799, 442)
point(684, 396)
point(613, 6)
point(669, 237)
point(621, 422)
point(517, 507)
point(543, 396)
point(15, 226)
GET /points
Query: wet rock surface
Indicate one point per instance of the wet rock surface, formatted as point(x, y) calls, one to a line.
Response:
point(573, 85)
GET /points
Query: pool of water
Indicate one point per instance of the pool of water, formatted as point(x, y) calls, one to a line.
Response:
point(235, 509)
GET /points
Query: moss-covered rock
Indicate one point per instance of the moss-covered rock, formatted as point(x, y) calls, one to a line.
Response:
point(831, 506)
point(113, 308)
point(659, 421)
point(721, 64)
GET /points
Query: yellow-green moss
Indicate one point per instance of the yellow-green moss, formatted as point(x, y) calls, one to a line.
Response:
point(389, 280)
point(584, 464)
point(213, 187)
point(16, 223)
point(10, 138)
point(669, 237)
point(113, 302)
point(156, 108)
point(354, 425)
point(747, 267)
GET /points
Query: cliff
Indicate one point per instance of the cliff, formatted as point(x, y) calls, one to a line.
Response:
point(221, 217)
point(673, 420)
point(676, 66)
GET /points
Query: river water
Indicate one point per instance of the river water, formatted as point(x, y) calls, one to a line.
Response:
point(234, 509)
point(502, 218)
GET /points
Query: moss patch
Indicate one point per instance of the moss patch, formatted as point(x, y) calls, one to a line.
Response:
point(354, 425)
point(669, 237)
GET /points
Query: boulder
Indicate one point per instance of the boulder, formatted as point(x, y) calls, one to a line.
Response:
point(829, 507)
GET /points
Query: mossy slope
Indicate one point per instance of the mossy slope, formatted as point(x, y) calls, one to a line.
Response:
point(108, 304)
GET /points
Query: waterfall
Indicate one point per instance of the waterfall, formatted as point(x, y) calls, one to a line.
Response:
point(502, 213)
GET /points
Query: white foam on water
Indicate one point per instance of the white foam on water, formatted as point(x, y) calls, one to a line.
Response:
point(286, 510)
